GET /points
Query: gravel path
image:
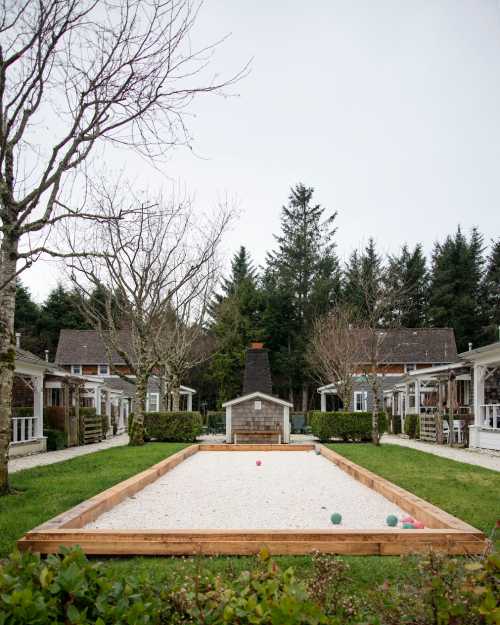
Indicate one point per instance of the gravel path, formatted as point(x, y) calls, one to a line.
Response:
point(227, 490)
point(51, 457)
point(469, 456)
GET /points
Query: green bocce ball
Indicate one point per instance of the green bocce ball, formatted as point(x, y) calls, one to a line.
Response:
point(336, 518)
point(408, 526)
point(392, 520)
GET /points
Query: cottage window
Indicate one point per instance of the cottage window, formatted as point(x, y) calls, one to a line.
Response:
point(153, 403)
point(76, 369)
point(258, 405)
point(360, 401)
point(103, 369)
point(410, 366)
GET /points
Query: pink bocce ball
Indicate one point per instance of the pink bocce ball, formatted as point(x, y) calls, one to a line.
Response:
point(258, 462)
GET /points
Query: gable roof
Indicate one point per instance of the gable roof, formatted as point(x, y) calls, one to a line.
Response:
point(85, 347)
point(257, 395)
point(411, 345)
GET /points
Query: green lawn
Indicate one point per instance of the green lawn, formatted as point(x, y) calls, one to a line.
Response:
point(472, 493)
point(44, 492)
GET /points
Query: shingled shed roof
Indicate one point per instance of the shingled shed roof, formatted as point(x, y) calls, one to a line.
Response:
point(411, 345)
point(85, 347)
point(257, 376)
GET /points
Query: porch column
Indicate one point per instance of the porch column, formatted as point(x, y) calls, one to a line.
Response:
point(479, 373)
point(97, 396)
point(38, 405)
point(323, 402)
point(417, 396)
point(228, 425)
point(189, 402)
point(108, 412)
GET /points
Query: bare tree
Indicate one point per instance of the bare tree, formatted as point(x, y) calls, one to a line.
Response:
point(75, 75)
point(150, 265)
point(335, 349)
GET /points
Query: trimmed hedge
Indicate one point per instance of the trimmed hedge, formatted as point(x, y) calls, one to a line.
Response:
point(412, 425)
point(55, 439)
point(348, 426)
point(172, 427)
point(22, 411)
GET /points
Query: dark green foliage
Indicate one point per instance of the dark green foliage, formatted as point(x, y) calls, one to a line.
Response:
point(69, 588)
point(182, 427)
point(363, 282)
point(55, 439)
point(491, 295)
point(455, 290)
point(407, 283)
point(22, 411)
point(347, 426)
point(216, 422)
point(412, 425)
point(26, 320)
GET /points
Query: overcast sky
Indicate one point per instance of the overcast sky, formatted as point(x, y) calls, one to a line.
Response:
point(389, 109)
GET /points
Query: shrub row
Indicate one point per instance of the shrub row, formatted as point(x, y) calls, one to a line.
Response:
point(175, 427)
point(348, 426)
point(71, 589)
point(55, 439)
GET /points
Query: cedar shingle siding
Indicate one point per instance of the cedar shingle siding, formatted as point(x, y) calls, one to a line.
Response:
point(257, 376)
point(245, 418)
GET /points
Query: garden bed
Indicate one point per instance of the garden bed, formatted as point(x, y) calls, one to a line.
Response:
point(223, 503)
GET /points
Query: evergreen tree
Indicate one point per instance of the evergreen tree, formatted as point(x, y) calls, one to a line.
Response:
point(407, 281)
point(27, 320)
point(363, 280)
point(236, 320)
point(491, 294)
point(60, 310)
point(455, 290)
point(301, 281)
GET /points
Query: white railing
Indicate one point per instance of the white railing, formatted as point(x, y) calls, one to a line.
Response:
point(24, 429)
point(490, 415)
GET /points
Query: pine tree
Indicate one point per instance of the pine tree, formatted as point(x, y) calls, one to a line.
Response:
point(302, 281)
point(491, 294)
point(455, 291)
point(236, 320)
point(363, 281)
point(27, 320)
point(407, 281)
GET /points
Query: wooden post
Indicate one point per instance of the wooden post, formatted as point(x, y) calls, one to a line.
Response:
point(451, 383)
point(75, 438)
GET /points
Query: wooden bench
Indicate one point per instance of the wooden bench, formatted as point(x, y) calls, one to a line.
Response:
point(257, 433)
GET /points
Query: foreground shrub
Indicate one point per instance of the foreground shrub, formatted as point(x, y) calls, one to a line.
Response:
point(55, 439)
point(412, 425)
point(174, 427)
point(348, 426)
point(71, 589)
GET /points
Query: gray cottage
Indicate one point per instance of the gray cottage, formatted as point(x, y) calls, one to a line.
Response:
point(257, 416)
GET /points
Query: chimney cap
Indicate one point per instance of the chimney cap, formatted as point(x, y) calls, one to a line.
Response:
point(256, 345)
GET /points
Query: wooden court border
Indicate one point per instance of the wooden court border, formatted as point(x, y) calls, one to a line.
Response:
point(443, 532)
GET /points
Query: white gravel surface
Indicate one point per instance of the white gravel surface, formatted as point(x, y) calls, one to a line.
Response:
point(227, 490)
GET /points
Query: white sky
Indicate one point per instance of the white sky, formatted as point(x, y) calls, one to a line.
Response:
point(389, 109)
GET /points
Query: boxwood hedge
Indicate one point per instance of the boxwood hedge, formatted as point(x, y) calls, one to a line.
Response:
point(174, 427)
point(347, 426)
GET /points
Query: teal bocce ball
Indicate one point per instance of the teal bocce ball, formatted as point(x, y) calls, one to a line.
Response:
point(336, 518)
point(318, 452)
point(408, 526)
point(392, 520)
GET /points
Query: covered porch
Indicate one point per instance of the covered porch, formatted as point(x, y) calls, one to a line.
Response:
point(485, 431)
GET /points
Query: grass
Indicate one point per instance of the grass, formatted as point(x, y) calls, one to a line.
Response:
point(471, 493)
point(44, 492)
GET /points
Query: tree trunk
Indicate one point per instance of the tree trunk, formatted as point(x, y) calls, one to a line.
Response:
point(137, 429)
point(305, 397)
point(176, 396)
point(8, 252)
point(164, 394)
point(375, 412)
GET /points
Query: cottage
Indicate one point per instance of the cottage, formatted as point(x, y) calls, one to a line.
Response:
point(82, 352)
point(257, 416)
point(401, 351)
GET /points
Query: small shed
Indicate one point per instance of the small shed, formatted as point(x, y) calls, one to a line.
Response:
point(257, 416)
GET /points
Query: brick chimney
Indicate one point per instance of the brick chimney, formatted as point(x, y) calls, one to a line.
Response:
point(257, 376)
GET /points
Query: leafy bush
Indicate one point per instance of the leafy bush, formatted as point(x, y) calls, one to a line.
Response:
point(216, 422)
point(412, 425)
point(22, 411)
point(55, 439)
point(396, 424)
point(174, 427)
point(71, 589)
point(348, 426)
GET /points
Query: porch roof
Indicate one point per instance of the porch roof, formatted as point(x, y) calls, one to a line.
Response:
point(486, 355)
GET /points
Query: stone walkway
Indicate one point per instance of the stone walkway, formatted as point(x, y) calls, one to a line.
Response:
point(51, 457)
point(469, 456)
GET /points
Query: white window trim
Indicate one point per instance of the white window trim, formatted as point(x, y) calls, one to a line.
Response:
point(157, 403)
point(412, 365)
point(364, 401)
point(79, 367)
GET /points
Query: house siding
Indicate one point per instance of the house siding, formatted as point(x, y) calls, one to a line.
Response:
point(246, 419)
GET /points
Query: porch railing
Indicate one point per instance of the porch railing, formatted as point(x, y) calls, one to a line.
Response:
point(490, 416)
point(24, 429)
